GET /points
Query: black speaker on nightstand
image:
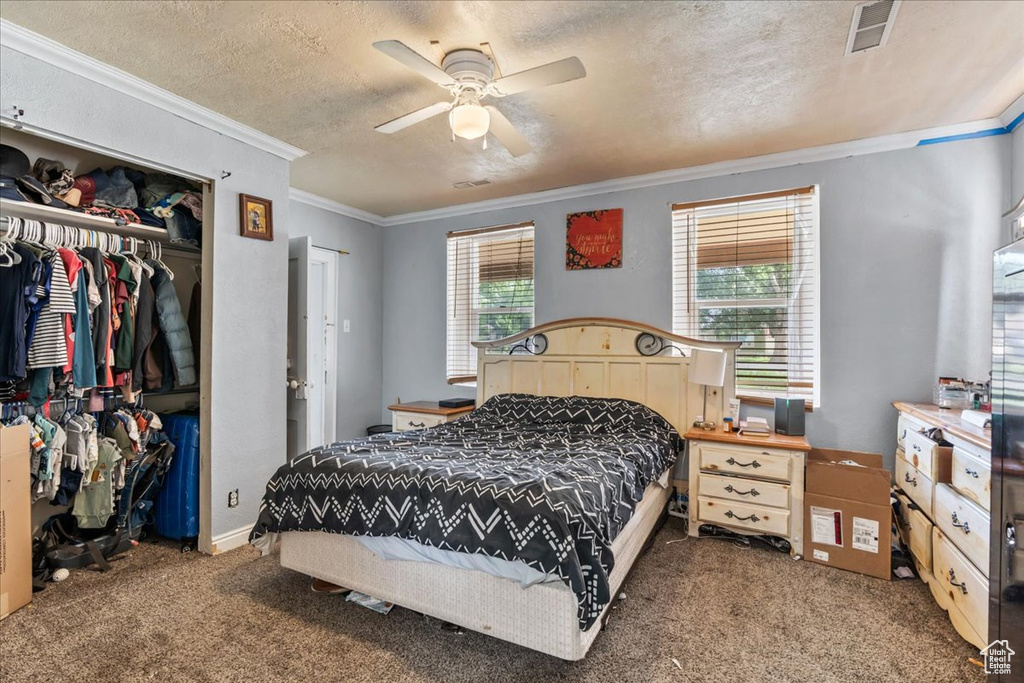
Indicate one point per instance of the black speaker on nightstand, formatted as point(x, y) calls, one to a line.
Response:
point(789, 416)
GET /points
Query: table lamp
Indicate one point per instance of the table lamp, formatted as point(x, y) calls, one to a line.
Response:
point(707, 367)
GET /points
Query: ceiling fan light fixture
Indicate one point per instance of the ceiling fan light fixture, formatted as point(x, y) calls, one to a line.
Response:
point(469, 121)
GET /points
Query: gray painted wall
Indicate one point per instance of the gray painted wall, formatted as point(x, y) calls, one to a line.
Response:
point(249, 296)
point(360, 300)
point(906, 240)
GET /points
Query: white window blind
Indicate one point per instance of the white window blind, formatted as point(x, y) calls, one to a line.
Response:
point(490, 291)
point(746, 269)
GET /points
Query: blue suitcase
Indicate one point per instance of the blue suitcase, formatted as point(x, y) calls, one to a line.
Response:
point(177, 505)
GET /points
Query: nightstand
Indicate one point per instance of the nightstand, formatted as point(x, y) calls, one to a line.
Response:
point(748, 484)
point(422, 414)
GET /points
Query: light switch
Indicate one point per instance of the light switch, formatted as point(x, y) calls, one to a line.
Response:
point(346, 326)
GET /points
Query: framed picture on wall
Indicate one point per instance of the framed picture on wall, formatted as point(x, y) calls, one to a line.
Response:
point(593, 239)
point(257, 217)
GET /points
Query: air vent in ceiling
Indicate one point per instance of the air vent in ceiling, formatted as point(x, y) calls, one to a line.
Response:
point(872, 22)
point(466, 184)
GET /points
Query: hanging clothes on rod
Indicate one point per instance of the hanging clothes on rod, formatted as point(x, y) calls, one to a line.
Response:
point(83, 311)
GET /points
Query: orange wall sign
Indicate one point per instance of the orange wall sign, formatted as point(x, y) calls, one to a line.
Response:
point(593, 239)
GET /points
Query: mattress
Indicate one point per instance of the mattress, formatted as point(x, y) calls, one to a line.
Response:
point(542, 617)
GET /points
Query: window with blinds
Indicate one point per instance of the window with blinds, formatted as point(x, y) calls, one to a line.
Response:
point(746, 269)
point(490, 291)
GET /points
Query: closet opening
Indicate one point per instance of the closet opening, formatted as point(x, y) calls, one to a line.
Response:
point(103, 359)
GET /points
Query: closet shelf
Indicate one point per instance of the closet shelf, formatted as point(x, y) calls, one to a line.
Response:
point(49, 214)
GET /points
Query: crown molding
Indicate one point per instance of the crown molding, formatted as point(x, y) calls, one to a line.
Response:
point(51, 52)
point(319, 202)
point(883, 143)
point(1013, 115)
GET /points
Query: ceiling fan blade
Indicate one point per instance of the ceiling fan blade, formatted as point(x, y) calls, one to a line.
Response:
point(415, 61)
point(514, 141)
point(395, 125)
point(568, 69)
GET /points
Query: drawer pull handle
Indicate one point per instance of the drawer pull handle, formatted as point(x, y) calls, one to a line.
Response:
point(953, 582)
point(965, 526)
point(903, 435)
point(751, 492)
point(749, 518)
point(753, 463)
point(906, 477)
point(417, 424)
point(972, 473)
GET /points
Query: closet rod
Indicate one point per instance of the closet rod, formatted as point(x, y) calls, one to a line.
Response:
point(5, 222)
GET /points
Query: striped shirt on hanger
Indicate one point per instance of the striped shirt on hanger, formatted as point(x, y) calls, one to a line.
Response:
point(48, 345)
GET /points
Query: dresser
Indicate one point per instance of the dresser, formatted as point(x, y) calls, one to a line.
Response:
point(943, 517)
point(748, 484)
point(423, 414)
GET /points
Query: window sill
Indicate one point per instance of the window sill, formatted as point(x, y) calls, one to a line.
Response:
point(762, 401)
point(465, 380)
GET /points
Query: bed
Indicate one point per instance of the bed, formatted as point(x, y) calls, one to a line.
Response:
point(522, 519)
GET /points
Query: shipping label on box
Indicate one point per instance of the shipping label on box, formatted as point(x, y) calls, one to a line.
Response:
point(826, 526)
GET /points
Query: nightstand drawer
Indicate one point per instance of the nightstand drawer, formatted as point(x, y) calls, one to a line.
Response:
point(744, 515)
point(745, 490)
point(402, 422)
point(750, 462)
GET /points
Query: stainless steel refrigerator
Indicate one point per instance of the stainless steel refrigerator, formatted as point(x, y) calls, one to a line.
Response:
point(1006, 583)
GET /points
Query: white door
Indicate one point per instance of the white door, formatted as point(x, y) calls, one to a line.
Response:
point(312, 345)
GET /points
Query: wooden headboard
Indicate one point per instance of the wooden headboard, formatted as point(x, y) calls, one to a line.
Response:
point(606, 358)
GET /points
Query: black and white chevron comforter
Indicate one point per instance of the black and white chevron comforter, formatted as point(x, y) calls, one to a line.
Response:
point(547, 481)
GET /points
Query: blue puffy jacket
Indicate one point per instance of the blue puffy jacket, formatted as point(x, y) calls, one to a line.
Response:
point(173, 325)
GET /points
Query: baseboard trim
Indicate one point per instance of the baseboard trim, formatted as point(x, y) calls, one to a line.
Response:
point(231, 540)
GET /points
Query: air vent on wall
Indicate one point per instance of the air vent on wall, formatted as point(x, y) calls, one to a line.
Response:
point(872, 22)
point(465, 184)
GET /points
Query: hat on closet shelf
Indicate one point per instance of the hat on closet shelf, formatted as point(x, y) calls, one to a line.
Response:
point(13, 162)
point(9, 190)
point(58, 179)
point(91, 183)
point(37, 192)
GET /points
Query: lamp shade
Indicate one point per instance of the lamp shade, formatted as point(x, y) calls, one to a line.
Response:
point(469, 121)
point(707, 367)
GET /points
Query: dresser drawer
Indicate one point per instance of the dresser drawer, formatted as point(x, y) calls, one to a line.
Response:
point(752, 462)
point(913, 482)
point(402, 421)
point(921, 452)
point(964, 523)
point(745, 490)
point(905, 425)
point(917, 531)
point(966, 587)
point(744, 516)
point(972, 477)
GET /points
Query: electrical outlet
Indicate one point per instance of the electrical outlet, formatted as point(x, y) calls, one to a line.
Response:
point(233, 498)
point(346, 326)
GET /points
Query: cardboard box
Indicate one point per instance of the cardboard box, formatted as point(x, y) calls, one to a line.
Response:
point(847, 516)
point(15, 520)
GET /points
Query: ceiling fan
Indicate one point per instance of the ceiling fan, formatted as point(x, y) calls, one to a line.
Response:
point(469, 76)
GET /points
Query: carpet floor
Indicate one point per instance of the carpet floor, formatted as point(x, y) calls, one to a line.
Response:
point(724, 613)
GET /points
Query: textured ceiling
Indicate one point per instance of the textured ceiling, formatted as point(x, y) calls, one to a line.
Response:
point(669, 85)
